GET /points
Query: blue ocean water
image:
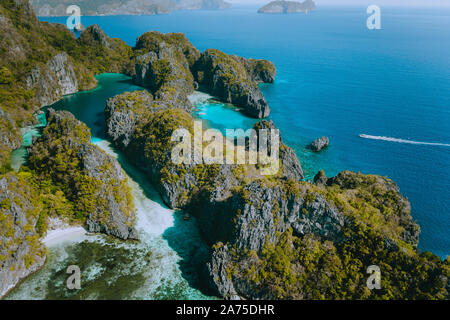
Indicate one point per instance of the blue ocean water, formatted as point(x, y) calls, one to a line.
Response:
point(339, 79)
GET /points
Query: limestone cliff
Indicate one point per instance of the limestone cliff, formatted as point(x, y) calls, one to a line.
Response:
point(163, 65)
point(41, 62)
point(21, 253)
point(233, 81)
point(168, 64)
point(143, 128)
point(53, 80)
point(91, 179)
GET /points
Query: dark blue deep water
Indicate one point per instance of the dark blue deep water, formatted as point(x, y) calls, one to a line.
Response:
point(339, 79)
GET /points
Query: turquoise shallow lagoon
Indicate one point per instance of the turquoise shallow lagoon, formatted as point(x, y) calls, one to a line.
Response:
point(339, 79)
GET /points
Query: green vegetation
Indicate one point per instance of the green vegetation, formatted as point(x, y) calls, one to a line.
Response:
point(69, 189)
point(30, 44)
point(150, 41)
point(378, 223)
point(16, 231)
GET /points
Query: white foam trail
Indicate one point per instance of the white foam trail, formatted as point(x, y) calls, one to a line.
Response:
point(366, 136)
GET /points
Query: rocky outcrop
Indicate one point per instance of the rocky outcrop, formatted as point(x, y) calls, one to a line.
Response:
point(94, 34)
point(143, 128)
point(104, 54)
point(319, 144)
point(288, 7)
point(256, 219)
point(117, 216)
point(164, 66)
point(21, 253)
point(54, 80)
point(320, 178)
point(347, 180)
point(227, 78)
point(262, 212)
point(259, 71)
point(91, 179)
point(123, 113)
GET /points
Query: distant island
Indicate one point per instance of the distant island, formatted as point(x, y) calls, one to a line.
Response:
point(288, 7)
point(52, 8)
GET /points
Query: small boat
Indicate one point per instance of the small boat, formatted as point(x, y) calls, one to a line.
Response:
point(186, 216)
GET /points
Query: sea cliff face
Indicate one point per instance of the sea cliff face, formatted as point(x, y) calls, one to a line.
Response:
point(234, 80)
point(171, 67)
point(288, 7)
point(21, 253)
point(89, 178)
point(52, 81)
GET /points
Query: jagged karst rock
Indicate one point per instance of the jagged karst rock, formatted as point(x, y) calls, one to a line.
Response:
point(291, 167)
point(348, 180)
point(241, 225)
point(53, 81)
point(123, 113)
point(21, 253)
point(164, 67)
point(227, 78)
point(319, 144)
point(118, 221)
point(93, 180)
point(260, 71)
point(95, 34)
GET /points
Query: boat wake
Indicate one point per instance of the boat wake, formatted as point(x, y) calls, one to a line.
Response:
point(366, 136)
